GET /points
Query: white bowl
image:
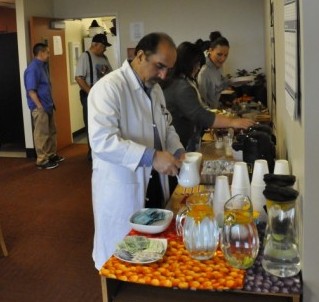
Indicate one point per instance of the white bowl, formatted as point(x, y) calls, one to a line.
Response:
point(157, 226)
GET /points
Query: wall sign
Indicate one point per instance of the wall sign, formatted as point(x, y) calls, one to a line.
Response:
point(57, 46)
point(136, 31)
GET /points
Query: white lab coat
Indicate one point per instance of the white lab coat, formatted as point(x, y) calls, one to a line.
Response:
point(120, 128)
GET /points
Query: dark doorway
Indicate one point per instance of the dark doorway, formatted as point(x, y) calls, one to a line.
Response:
point(11, 119)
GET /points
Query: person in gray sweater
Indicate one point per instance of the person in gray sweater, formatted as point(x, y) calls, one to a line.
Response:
point(183, 100)
point(210, 79)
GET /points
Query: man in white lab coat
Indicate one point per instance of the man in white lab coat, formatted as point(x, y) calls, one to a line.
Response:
point(132, 141)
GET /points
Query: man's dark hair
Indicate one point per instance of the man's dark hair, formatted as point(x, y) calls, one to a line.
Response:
point(188, 55)
point(150, 42)
point(39, 47)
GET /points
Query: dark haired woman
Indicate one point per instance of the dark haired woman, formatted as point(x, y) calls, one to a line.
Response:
point(183, 100)
point(210, 79)
point(204, 45)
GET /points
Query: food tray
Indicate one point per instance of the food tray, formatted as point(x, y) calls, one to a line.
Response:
point(213, 168)
point(178, 270)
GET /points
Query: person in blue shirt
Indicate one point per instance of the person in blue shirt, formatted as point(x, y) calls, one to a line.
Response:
point(40, 102)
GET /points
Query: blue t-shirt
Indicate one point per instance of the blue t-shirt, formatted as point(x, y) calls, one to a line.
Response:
point(36, 78)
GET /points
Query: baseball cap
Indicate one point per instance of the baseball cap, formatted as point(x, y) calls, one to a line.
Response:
point(101, 38)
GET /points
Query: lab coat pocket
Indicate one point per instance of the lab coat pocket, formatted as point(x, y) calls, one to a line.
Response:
point(125, 201)
point(116, 200)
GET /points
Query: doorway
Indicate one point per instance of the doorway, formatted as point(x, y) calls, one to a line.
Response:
point(75, 112)
point(77, 35)
point(11, 118)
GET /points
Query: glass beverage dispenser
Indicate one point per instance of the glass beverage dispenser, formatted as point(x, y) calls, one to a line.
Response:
point(281, 256)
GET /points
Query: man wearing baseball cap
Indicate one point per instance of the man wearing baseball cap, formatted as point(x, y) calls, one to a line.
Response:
point(101, 38)
point(92, 65)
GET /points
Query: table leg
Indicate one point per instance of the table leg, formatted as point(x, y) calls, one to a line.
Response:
point(2, 244)
point(296, 298)
point(104, 289)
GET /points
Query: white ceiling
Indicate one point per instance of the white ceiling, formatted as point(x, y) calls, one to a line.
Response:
point(7, 3)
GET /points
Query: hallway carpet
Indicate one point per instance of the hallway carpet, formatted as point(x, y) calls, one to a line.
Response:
point(47, 221)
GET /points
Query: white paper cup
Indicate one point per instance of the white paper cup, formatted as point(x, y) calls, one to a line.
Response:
point(282, 167)
point(221, 195)
point(240, 177)
point(260, 169)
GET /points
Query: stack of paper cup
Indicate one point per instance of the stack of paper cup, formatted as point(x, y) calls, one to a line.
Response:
point(258, 186)
point(240, 183)
point(221, 195)
point(282, 167)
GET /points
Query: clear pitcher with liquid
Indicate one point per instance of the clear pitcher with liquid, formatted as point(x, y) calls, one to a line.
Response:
point(239, 237)
point(281, 255)
point(197, 224)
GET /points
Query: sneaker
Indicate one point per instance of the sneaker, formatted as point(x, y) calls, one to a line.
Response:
point(56, 158)
point(48, 165)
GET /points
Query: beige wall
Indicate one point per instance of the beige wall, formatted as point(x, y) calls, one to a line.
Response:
point(185, 20)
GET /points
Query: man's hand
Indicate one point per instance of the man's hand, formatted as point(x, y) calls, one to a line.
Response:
point(83, 84)
point(228, 122)
point(166, 163)
point(243, 123)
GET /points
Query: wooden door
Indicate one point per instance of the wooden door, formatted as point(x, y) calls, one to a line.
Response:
point(40, 31)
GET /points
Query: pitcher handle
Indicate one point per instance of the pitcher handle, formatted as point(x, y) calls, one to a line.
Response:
point(180, 216)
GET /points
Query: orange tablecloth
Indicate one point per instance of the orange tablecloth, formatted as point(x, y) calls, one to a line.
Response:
point(177, 268)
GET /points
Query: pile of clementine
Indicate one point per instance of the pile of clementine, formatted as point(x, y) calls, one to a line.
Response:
point(178, 269)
